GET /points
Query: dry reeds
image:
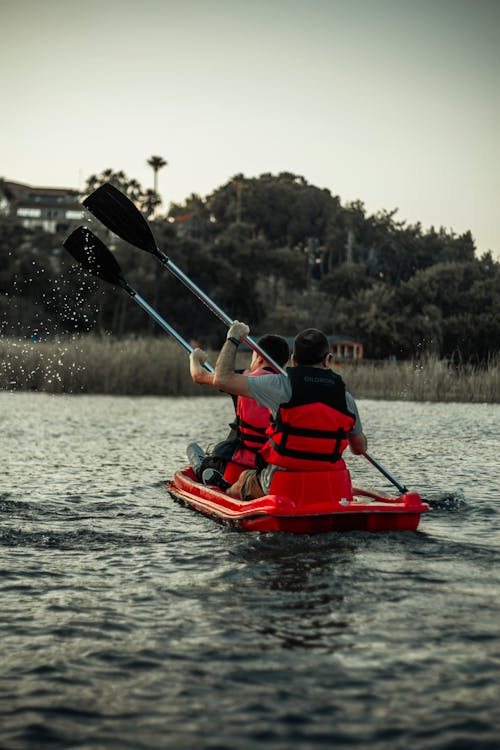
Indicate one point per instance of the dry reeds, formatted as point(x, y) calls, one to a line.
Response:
point(427, 380)
point(90, 364)
point(158, 366)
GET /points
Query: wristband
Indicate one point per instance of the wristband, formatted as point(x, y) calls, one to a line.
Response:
point(233, 340)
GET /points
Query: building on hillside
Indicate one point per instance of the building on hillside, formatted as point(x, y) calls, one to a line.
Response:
point(51, 209)
point(187, 225)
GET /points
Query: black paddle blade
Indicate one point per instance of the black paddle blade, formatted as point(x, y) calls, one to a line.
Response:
point(121, 216)
point(94, 256)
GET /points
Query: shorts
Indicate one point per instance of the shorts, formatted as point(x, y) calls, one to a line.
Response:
point(247, 486)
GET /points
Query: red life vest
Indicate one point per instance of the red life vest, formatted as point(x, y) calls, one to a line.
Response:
point(310, 432)
point(252, 422)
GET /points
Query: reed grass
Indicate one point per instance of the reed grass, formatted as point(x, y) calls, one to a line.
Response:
point(158, 366)
point(430, 379)
point(90, 364)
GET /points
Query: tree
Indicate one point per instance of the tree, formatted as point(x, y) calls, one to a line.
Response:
point(283, 209)
point(467, 296)
point(150, 202)
point(156, 163)
point(131, 187)
point(346, 280)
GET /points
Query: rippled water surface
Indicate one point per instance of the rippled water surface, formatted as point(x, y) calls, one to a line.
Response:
point(130, 621)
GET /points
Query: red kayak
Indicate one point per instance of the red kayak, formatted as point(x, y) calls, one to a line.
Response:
point(301, 503)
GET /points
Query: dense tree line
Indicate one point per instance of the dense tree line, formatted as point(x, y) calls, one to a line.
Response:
point(274, 251)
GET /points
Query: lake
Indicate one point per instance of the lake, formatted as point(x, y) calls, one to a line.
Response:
point(130, 621)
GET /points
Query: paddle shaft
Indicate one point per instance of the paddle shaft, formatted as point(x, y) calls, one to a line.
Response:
point(189, 283)
point(161, 322)
point(386, 474)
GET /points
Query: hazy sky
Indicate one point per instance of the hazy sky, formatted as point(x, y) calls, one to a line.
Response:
point(392, 102)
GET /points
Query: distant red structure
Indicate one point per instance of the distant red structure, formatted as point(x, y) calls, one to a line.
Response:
point(345, 348)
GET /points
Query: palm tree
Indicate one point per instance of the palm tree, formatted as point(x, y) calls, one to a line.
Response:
point(156, 163)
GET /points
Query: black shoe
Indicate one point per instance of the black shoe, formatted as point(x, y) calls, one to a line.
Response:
point(214, 477)
point(196, 455)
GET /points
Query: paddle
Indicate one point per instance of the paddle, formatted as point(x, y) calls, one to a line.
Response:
point(401, 487)
point(96, 258)
point(117, 212)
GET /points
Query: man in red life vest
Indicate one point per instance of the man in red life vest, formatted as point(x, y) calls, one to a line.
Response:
point(249, 430)
point(314, 417)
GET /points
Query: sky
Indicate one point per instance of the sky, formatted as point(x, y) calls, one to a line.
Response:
point(395, 103)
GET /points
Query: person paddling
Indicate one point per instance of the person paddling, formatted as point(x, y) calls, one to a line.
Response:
point(314, 417)
point(248, 433)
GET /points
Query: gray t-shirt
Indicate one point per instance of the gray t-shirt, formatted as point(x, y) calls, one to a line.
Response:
point(273, 390)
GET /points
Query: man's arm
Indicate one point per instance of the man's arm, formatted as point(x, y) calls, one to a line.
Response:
point(225, 378)
point(197, 358)
point(357, 439)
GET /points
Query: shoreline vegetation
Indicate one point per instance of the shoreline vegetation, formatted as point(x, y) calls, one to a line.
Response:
point(157, 366)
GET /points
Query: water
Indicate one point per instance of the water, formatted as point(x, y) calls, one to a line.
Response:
point(130, 621)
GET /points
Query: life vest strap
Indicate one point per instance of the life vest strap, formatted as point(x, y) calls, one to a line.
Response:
point(307, 455)
point(310, 432)
point(249, 426)
point(253, 438)
point(288, 430)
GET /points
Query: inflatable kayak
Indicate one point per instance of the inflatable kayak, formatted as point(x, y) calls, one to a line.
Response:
point(301, 503)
